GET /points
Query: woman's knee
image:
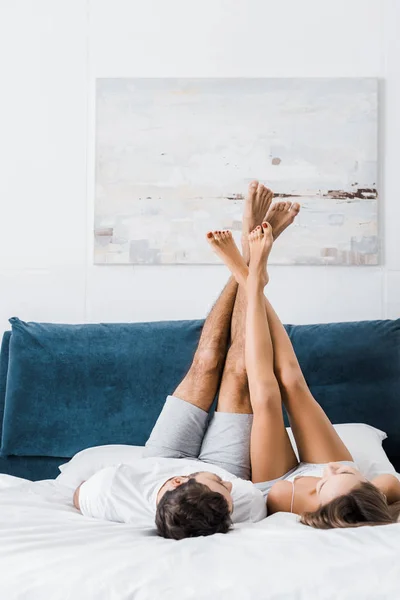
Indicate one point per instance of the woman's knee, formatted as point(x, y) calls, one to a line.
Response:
point(265, 396)
point(290, 377)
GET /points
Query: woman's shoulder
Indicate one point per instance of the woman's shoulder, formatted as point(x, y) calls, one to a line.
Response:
point(280, 497)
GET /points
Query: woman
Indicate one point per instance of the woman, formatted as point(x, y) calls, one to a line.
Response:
point(325, 488)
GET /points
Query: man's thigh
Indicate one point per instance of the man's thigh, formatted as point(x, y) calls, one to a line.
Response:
point(178, 432)
point(226, 443)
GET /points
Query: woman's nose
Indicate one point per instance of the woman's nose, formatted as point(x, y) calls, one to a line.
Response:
point(330, 468)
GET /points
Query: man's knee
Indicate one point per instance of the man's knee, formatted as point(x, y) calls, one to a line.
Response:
point(235, 365)
point(208, 360)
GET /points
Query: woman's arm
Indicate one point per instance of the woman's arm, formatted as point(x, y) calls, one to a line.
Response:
point(389, 485)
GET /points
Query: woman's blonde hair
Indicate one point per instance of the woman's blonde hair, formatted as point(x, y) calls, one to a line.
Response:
point(364, 505)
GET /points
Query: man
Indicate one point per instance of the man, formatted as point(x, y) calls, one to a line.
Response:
point(195, 477)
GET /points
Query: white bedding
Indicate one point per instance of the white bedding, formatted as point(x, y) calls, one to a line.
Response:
point(49, 551)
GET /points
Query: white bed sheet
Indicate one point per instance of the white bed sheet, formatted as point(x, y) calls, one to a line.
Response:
point(49, 551)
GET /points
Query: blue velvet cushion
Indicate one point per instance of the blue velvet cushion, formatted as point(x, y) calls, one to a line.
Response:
point(4, 355)
point(74, 386)
point(353, 370)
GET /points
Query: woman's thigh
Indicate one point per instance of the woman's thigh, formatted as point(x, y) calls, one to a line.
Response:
point(316, 438)
point(271, 452)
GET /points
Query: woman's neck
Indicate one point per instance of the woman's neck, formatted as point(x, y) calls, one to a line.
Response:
point(305, 495)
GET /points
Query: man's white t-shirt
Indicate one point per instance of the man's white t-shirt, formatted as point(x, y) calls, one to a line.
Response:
point(128, 493)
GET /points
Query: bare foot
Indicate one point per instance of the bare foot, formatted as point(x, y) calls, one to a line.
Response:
point(224, 245)
point(260, 240)
point(280, 215)
point(256, 205)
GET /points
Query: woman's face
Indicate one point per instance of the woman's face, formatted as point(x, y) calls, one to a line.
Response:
point(337, 480)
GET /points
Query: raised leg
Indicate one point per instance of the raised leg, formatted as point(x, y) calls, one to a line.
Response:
point(234, 390)
point(200, 385)
point(271, 451)
point(234, 393)
point(316, 438)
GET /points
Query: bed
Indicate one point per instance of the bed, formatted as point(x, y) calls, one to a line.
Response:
point(65, 388)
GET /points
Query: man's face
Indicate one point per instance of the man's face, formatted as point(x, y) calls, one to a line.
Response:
point(212, 481)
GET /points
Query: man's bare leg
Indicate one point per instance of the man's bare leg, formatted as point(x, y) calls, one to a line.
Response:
point(280, 215)
point(316, 438)
point(200, 385)
point(234, 394)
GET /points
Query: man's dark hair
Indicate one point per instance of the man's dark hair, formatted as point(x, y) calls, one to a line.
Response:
point(190, 510)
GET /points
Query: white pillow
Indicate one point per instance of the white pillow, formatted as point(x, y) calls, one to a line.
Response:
point(365, 445)
point(87, 462)
point(363, 441)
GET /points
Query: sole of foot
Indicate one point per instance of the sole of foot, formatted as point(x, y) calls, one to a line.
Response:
point(224, 246)
point(260, 241)
point(280, 215)
point(257, 203)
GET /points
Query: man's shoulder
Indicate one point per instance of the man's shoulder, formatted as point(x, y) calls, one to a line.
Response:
point(248, 501)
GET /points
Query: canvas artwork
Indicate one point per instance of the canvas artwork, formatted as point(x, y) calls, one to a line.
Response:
point(174, 158)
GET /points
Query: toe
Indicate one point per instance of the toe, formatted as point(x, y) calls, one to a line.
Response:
point(282, 206)
point(253, 186)
point(287, 206)
point(210, 236)
point(295, 208)
point(260, 190)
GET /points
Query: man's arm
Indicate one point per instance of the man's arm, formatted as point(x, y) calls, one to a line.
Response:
point(76, 496)
point(389, 485)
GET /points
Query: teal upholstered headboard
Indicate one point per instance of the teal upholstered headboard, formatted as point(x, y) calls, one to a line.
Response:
point(67, 387)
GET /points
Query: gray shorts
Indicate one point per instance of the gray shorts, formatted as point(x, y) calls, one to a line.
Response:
point(185, 431)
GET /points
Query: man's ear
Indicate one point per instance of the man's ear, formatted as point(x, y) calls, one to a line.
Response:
point(177, 481)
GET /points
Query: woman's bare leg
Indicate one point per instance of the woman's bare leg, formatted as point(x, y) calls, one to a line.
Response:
point(316, 438)
point(271, 451)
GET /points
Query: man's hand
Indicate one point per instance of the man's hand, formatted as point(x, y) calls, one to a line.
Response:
point(76, 497)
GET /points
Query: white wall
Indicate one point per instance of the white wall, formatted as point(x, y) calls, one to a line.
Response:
point(50, 53)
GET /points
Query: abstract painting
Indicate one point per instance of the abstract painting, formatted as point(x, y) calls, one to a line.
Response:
point(174, 158)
